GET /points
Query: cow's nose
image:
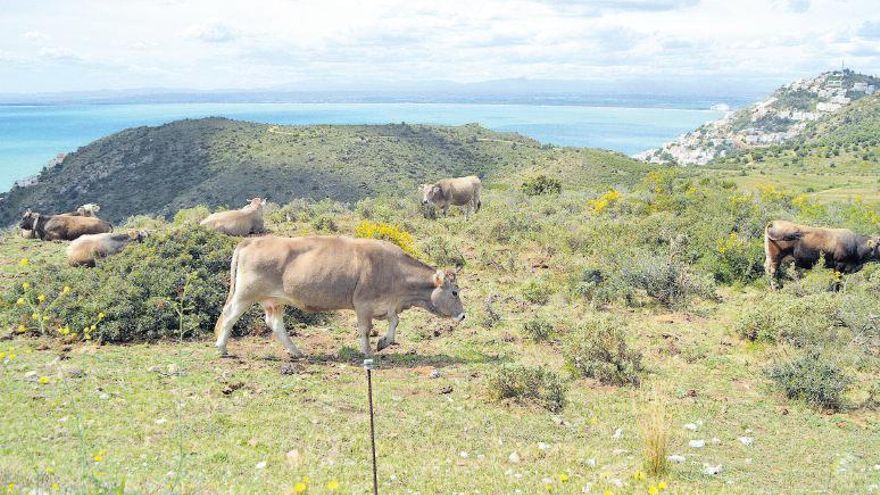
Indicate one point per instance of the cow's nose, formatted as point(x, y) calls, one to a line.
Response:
point(460, 317)
point(424, 201)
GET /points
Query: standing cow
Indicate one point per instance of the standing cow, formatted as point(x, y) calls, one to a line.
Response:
point(62, 227)
point(842, 250)
point(374, 278)
point(248, 220)
point(461, 191)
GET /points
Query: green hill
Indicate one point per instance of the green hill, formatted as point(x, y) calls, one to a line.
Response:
point(222, 162)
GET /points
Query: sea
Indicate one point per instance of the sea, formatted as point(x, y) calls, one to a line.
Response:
point(31, 135)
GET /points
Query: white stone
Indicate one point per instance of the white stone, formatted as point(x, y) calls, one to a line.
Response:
point(617, 434)
point(710, 470)
point(690, 426)
point(463, 454)
point(543, 446)
point(746, 440)
point(261, 465)
point(514, 458)
point(697, 444)
point(676, 459)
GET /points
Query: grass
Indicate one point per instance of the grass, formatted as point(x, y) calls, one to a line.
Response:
point(243, 411)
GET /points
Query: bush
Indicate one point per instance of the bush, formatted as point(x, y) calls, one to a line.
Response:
point(325, 223)
point(137, 289)
point(811, 378)
point(599, 350)
point(442, 253)
point(541, 184)
point(801, 321)
point(390, 233)
point(737, 260)
point(536, 291)
point(538, 329)
point(667, 280)
point(529, 384)
point(191, 216)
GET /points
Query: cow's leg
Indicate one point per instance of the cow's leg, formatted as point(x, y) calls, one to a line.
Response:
point(275, 320)
point(771, 262)
point(365, 324)
point(389, 337)
point(232, 311)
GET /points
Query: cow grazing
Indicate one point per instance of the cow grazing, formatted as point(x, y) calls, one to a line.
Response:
point(461, 191)
point(842, 250)
point(62, 227)
point(248, 220)
point(374, 278)
point(88, 248)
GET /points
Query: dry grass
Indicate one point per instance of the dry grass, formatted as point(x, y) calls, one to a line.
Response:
point(654, 426)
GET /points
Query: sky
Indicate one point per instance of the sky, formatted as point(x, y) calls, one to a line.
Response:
point(68, 45)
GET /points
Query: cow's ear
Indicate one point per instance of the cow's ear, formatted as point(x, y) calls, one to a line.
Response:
point(439, 277)
point(450, 275)
point(872, 243)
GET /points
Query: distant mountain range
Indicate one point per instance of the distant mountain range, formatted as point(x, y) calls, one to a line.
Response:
point(796, 110)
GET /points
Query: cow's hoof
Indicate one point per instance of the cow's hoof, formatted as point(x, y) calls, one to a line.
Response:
point(295, 356)
point(374, 332)
point(383, 344)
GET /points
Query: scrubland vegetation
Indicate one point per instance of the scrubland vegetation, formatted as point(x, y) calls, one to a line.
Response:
point(621, 339)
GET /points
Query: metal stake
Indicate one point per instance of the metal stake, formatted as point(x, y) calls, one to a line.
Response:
point(368, 365)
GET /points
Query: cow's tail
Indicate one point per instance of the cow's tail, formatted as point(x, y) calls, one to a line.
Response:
point(233, 274)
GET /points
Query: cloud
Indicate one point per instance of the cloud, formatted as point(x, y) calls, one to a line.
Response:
point(798, 6)
point(212, 32)
point(870, 30)
point(59, 53)
point(35, 36)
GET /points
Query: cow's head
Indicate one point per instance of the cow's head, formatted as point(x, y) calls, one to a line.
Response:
point(430, 193)
point(28, 220)
point(137, 235)
point(445, 300)
point(257, 203)
point(873, 245)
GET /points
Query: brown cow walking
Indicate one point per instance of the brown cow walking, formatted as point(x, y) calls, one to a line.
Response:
point(843, 250)
point(374, 278)
point(460, 191)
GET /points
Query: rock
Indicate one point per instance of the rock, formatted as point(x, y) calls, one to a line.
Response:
point(690, 426)
point(711, 470)
point(293, 458)
point(289, 369)
point(715, 441)
point(435, 373)
point(746, 440)
point(154, 369)
point(591, 462)
point(543, 446)
point(617, 434)
point(446, 390)
point(697, 444)
point(104, 396)
point(514, 458)
point(676, 459)
point(172, 369)
point(463, 454)
point(261, 465)
point(31, 376)
point(161, 421)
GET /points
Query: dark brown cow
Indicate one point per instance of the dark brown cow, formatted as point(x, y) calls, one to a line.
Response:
point(842, 250)
point(62, 227)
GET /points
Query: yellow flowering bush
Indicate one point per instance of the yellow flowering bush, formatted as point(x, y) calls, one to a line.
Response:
point(603, 202)
point(390, 233)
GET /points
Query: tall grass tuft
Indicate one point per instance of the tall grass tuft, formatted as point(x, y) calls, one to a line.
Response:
point(654, 426)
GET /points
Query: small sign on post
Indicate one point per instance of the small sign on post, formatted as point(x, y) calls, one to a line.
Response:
point(368, 366)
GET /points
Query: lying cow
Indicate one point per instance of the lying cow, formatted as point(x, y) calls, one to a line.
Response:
point(461, 191)
point(374, 278)
point(843, 250)
point(248, 220)
point(88, 248)
point(62, 227)
point(86, 210)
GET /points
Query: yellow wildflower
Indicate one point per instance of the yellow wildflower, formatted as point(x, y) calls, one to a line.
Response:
point(64, 330)
point(10, 488)
point(661, 485)
point(25, 286)
point(548, 487)
point(608, 492)
point(20, 301)
point(43, 380)
point(653, 490)
point(41, 298)
point(563, 477)
point(21, 329)
point(300, 487)
point(55, 487)
point(50, 471)
point(305, 479)
point(594, 421)
point(92, 328)
point(24, 262)
point(99, 456)
point(66, 289)
point(639, 476)
point(333, 485)
point(11, 356)
point(2, 355)
point(45, 317)
point(101, 315)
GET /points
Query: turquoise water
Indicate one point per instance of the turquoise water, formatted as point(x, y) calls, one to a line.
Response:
point(31, 135)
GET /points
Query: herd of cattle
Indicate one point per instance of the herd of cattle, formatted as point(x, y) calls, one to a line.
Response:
point(374, 278)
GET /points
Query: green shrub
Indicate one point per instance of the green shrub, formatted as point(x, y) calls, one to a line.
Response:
point(325, 224)
point(801, 321)
point(442, 253)
point(812, 378)
point(669, 281)
point(600, 288)
point(525, 384)
point(541, 184)
point(737, 260)
point(191, 216)
point(136, 290)
point(598, 349)
point(538, 329)
point(536, 291)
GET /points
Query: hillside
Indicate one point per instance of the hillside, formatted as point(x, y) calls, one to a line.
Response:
point(222, 162)
point(790, 112)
